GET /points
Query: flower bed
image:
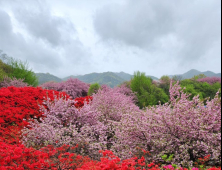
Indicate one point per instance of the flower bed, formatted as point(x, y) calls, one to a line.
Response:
point(45, 129)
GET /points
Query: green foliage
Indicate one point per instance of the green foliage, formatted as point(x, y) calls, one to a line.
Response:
point(4, 70)
point(20, 70)
point(167, 158)
point(93, 89)
point(46, 77)
point(17, 69)
point(200, 76)
point(203, 89)
point(177, 77)
point(190, 89)
point(107, 78)
point(147, 93)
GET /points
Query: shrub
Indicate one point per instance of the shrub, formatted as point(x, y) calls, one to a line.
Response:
point(20, 105)
point(20, 158)
point(79, 102)
point(92, 126)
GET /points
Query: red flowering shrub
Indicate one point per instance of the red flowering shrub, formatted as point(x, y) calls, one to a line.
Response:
point(79, 102)
point(111, 162)
point(18, 106)
point(20, 158)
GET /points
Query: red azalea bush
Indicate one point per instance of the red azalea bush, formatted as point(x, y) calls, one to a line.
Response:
point(18, 157)
point(111, 162)
point(20, 105)
point(17, 105)
point(79, 102)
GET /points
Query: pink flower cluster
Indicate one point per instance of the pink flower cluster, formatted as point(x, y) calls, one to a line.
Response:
point(210, 80)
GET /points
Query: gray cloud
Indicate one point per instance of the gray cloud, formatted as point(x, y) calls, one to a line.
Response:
point(79, 37)
point(137, 23)
point(5, 24)
point(49, 43)
point(40, 23)
point(150, 26)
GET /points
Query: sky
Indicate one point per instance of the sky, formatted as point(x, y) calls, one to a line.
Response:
point(76, 37)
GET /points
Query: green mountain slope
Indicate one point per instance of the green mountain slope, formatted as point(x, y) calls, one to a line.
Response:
point(128, 77)
point(108, 78)
point(190, 74)
point(46, 77)
point(113, 79)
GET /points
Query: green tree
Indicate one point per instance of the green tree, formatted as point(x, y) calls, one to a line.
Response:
point(200, 76)
point(190, 89)
point(204, 89)
point(19, 70)
point(147, 93)
point(93, 88)
point(4, 70)
point(177, 78)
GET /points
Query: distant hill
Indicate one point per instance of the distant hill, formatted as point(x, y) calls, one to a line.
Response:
point(128, 77)
point(108, 78)
point(124, 76)
point(190, 74)
point(113, 79)
point(46, 77)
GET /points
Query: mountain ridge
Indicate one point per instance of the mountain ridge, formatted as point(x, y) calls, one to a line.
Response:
point(193, 72)
point(113, 79)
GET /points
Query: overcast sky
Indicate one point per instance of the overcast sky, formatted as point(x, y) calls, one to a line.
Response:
point(75, 37)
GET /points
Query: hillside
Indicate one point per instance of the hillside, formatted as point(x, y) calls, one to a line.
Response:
point(128, 77)
point(190, 74)
point(46, 77)
point(108, 78)
point(113, 79)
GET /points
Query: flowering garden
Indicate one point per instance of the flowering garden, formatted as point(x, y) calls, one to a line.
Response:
point(58, 127)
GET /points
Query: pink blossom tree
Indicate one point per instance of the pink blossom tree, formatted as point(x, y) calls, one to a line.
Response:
point(73, 87)
point(7, 82)
point(210, 80)
point(92, 127)
point(182, 128)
